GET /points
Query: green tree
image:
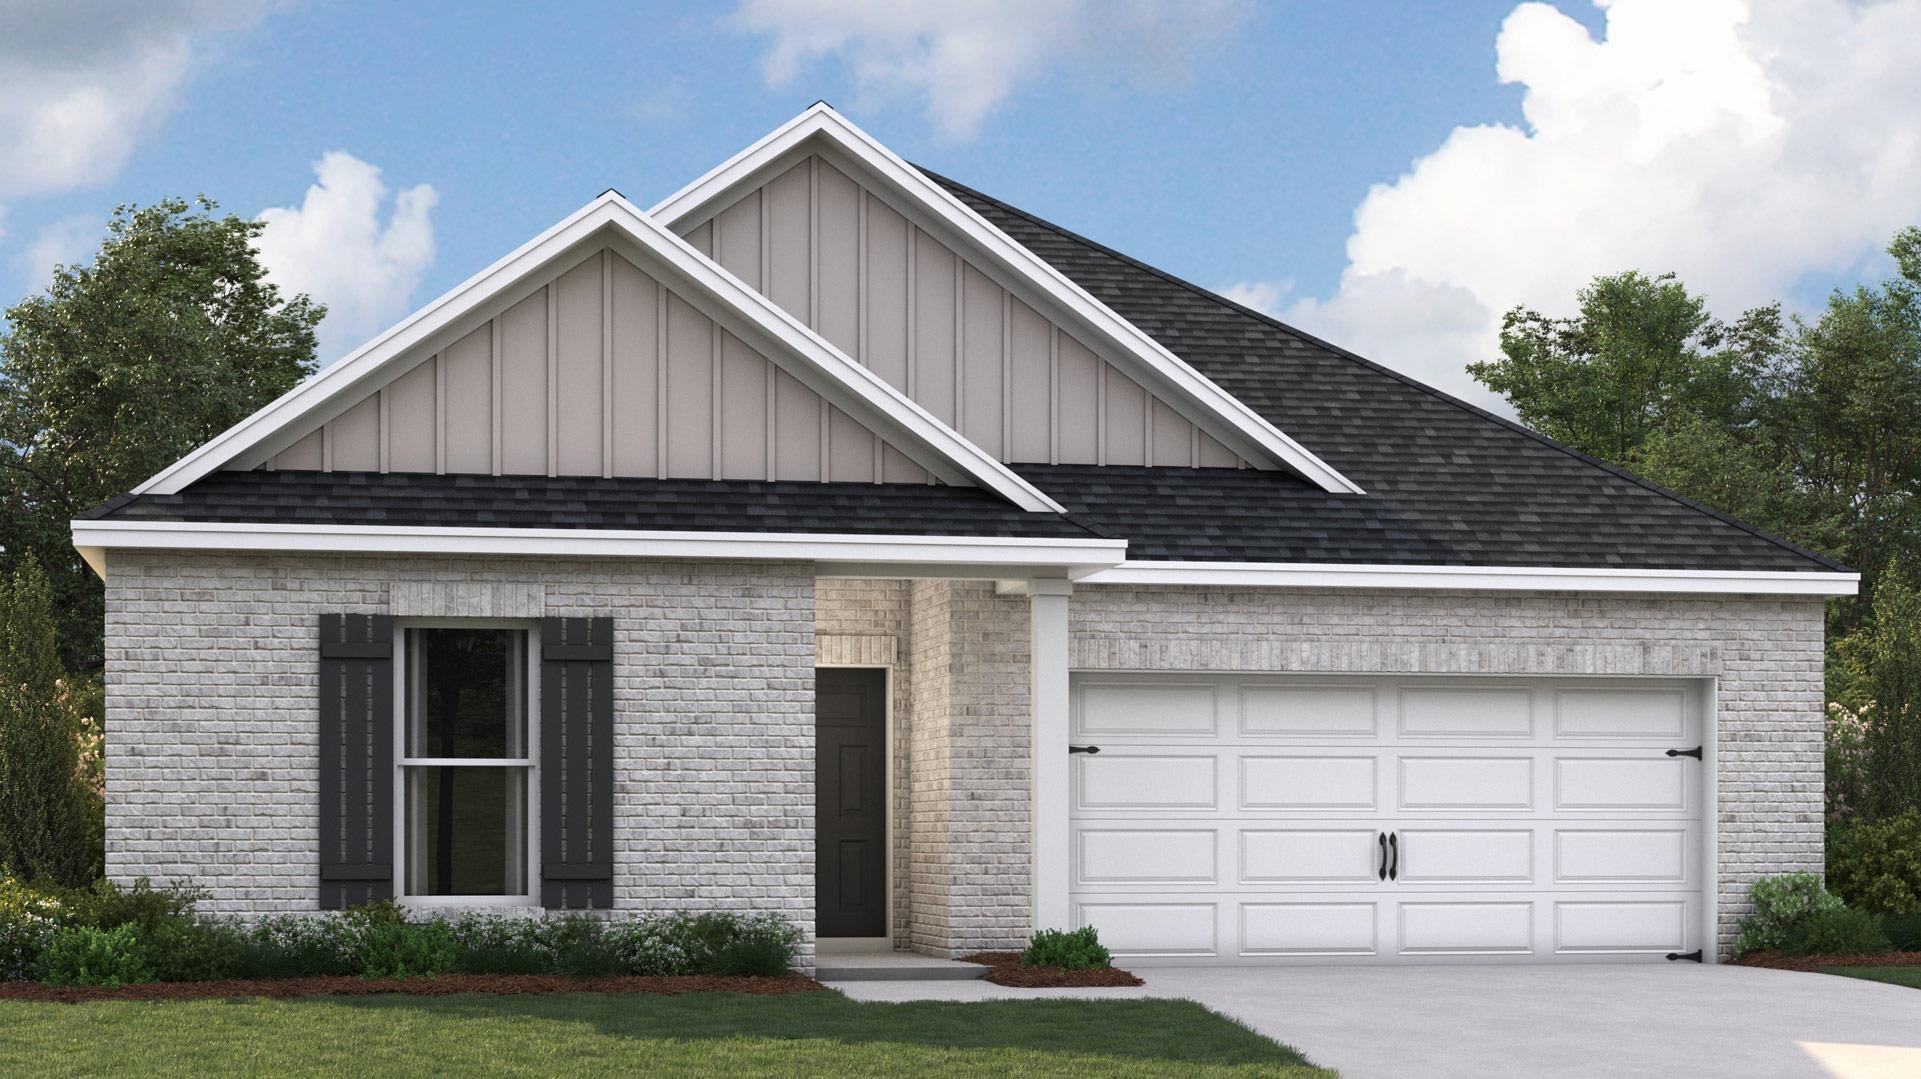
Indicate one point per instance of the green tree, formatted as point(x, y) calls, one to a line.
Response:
point(1890, 656)
point(1847, 423)
point(1642, 356)
point(170, 335)
point(45, 829)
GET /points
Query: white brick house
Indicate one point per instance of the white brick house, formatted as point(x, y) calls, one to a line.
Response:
point(834, 540)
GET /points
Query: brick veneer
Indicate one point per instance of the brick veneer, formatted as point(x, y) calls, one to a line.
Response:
point(212, 694)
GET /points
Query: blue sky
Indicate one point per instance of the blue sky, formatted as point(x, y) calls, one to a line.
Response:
point(1229, 142)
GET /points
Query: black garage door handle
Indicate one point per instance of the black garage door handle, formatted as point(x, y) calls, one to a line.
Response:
point(1083, 749)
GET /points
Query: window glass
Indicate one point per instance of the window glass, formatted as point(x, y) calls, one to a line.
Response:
point(466, 695)
point(466, 831)
point(466, 762)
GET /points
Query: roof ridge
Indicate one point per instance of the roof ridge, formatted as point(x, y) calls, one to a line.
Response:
point(1441, 395)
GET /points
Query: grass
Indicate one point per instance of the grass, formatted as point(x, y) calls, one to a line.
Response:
point(578, 1034)
point(1908, 976)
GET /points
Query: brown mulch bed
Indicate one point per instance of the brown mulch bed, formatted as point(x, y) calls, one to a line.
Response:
point(1783, 961)
point(1004, 968)
point(436, 986)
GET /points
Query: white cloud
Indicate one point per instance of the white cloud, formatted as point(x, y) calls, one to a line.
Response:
point(65, 242)
point(335, 247)
point(964, 59)
point(82, 80)
point(1267, 297)
point(1741, 145)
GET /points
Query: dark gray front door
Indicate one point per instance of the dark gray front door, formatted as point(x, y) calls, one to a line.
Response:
point(850, 802)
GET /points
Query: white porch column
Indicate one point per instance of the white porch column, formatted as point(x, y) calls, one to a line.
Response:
point(1047, 619)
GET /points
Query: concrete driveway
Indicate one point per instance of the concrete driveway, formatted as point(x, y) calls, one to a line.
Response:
point(1678, 1020)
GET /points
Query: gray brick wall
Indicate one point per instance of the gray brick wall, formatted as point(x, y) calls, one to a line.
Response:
point(212, 694)
point(212, 690)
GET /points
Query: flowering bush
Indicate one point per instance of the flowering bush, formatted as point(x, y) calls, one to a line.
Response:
point(724, 943)
point(111, 934)
point(28, 919)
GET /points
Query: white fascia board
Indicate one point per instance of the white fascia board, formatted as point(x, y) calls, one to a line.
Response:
point(95, 537)
point(822, 121)
point(853, 387)
point(1475, 578)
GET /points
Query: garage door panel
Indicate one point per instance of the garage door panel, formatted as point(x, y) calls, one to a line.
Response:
point(1146, 781)
point(1238, 818)
point(1654, 927)
point(1309, 855)
point(1309, 929)
point(1164, 929)
point(1625, 855)
point(1308, 782)
point(1645, 784)
point(1308, 711)
point(1465, 927)
point(1477, 712)
point(1188, 709)
point(1107, 856)
point(1459, 782)
point(1595, 712)
point(1466, 855)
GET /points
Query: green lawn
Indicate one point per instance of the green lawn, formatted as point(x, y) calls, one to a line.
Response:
point(703, 1035)
point(1908, 976)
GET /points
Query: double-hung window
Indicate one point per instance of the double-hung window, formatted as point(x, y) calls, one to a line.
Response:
point(467, 756)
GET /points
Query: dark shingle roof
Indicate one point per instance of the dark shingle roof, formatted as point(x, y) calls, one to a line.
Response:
point(1446, 483)
point(1482, 489)
point(424, 500)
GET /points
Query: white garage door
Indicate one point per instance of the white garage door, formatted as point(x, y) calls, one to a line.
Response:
point(1276, 819)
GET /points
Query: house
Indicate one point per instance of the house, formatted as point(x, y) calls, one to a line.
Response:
point(835, 540)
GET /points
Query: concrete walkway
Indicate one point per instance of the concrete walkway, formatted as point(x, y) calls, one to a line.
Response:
point(1681, 1020)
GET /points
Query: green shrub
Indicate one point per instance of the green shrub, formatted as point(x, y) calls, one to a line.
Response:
point(580, 945)
point(28, 919)
point(298, 946)
point(1836, 931)
point(1876, 865)
point(107, 905)
point(387, 945)
point(1780, 905)
point(1903, 930)
point(1069, 949)
point(721, 943)
point(85, 955)
point(195, 949)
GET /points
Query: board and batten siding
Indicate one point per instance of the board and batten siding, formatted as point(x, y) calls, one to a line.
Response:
point(936, 327)
point(601, 372)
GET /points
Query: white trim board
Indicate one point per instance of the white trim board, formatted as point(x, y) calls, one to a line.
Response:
point(1475, 578)
point(821, 126)
point(893, 552)
point(1089, 561)
point(613, 220)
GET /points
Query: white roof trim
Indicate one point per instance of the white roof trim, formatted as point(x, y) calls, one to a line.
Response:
point(94, 538)
point(1476, 578)
point(845, 383)
point(821, 120)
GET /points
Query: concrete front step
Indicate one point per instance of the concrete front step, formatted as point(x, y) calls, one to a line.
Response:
point(891, 967)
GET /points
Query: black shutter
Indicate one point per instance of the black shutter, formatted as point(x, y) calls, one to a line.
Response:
point(356, 759)
point(577, 762)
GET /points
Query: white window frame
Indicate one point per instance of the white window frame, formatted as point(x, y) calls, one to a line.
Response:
point(531, 898)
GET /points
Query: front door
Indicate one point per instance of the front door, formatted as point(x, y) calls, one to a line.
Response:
point(850, 802)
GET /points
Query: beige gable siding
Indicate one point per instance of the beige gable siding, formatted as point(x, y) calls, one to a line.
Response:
point(601, 372)
point(939, 328)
